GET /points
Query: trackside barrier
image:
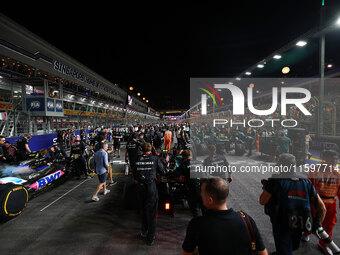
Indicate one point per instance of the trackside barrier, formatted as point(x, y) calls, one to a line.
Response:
point(39, 142)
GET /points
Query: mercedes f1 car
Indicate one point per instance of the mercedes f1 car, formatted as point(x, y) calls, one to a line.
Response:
point(18, 184)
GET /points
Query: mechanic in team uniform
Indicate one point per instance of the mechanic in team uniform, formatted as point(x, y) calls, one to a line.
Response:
point(192, 185)
point(83, 135)
point(147, 167)
point(132, 152)
point(23, 147)
point(61, 142)
point(189, 145)
point(117, 136)
point(284, 143)
point(219, 162)
point(92, 138)
point(288, 201)
point(100, 140)
point(148, 136)
point(110, 158)
point(157, 140)
point(77, 151)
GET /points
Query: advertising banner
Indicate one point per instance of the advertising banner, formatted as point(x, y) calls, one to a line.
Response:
point(35, 104)
point(58, 105)
point(50, 107)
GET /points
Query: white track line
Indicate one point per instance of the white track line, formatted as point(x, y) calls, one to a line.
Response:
point(62, 196)
point(120, 162)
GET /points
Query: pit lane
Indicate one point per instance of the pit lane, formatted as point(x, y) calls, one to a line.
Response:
point(64, 220)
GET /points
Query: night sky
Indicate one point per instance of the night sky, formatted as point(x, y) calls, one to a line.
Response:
point(157, 48)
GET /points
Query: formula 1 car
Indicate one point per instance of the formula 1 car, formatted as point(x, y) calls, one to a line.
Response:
point(169, 160)
point(19, 184)
point(172, 190)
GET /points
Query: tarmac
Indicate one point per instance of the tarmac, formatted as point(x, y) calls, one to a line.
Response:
point(64, 220)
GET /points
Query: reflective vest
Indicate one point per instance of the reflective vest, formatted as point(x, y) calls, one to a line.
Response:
point(167, 135)
point(326, 182)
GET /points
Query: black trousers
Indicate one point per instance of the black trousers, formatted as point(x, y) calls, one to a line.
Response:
point(286, 241)
point(148, 203)
point(21, 156)
point(194, 198)
point(80, 166)
point(62, 150)
point(250, 147)
point(133, 167)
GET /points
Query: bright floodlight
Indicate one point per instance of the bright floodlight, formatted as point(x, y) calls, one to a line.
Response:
point(260, 66)
point(238, 79)
point(338, 21)
point(301, 43)
point(277, 56)
point(248, 73)
point(285, 70)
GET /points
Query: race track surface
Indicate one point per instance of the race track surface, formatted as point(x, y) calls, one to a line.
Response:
point(65, 220)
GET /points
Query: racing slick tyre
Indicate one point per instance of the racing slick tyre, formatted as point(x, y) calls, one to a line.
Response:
point(91, 165)
point(13, 200)
point(130, 195)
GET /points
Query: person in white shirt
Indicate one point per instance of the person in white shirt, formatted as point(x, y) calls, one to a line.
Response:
point(308, 140)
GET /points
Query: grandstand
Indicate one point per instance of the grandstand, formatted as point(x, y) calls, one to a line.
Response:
point(42, 89)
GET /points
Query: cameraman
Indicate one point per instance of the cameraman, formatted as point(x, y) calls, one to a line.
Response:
point(221, 230)
point(288, 201)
